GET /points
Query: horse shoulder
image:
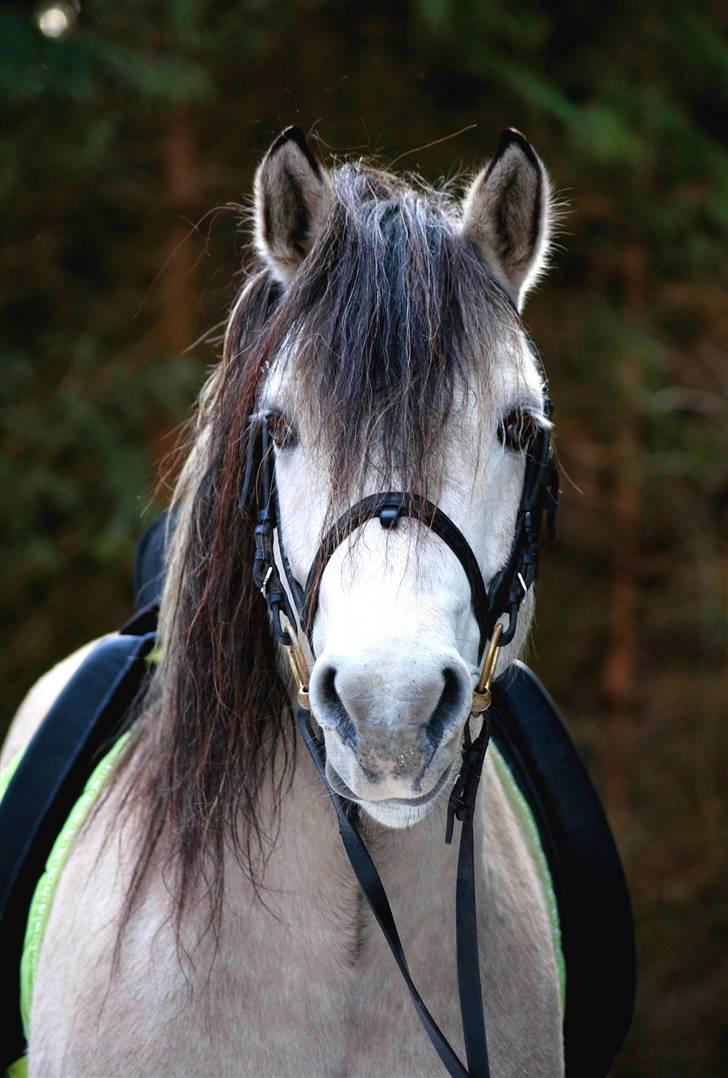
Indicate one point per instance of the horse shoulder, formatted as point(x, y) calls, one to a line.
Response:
point(87, 998)
point(518, 947)
point(38, 702)
point(151, 1008)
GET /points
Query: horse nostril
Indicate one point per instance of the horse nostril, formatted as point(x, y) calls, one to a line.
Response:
point(390, 702)
point(448, 708)
point(328, 691)
point(331, 711)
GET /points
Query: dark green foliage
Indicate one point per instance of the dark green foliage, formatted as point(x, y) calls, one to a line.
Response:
point(117, 139)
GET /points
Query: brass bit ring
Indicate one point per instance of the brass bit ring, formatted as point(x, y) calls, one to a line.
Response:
point(482, 696)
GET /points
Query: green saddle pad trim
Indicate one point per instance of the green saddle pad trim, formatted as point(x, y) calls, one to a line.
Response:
point(529, 827)
point(18, 1069)
point(7, 774)
point(41, 905)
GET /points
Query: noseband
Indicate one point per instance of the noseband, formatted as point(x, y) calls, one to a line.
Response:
point(500, 599)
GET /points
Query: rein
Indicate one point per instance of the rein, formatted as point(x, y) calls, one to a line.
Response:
point(502, 598)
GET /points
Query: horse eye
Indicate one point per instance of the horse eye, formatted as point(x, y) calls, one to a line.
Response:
point(281, 432)
point(517, 430)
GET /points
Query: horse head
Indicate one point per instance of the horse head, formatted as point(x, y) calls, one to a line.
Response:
point(397, 361)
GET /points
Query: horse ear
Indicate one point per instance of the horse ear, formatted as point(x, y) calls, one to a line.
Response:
point(508, 212)
point(292, 197)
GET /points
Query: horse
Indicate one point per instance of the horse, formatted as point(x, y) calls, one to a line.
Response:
point(206, 918)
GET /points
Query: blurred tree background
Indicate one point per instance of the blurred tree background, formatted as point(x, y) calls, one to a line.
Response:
point(126, 147)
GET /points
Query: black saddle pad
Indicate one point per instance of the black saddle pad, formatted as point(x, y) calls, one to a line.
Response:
point(591, 891)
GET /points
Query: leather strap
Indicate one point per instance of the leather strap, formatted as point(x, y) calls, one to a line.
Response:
point(471, 1008)
point(462, 805)
point(540, 493)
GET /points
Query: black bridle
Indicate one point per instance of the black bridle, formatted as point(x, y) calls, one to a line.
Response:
point(500, 598)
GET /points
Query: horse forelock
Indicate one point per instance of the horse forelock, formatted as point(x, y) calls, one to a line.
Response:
point(391, 309)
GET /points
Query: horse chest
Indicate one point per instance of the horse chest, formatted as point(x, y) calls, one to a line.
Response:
point(301, 983)
point(306, 983)
point(322, 975)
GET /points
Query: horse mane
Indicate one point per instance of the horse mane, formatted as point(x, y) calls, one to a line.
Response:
point(389, 311)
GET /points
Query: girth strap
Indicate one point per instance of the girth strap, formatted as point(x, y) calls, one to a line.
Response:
point(471, 1006)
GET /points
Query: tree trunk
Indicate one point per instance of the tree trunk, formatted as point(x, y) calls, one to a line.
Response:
point(619, 672)
point(177, 286)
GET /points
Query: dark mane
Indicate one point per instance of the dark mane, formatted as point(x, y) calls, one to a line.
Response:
point(391, 309)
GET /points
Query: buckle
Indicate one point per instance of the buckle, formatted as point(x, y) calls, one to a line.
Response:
point(461, 803)
point(389, 516)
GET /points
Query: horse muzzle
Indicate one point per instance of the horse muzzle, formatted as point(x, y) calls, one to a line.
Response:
point(391, 723)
